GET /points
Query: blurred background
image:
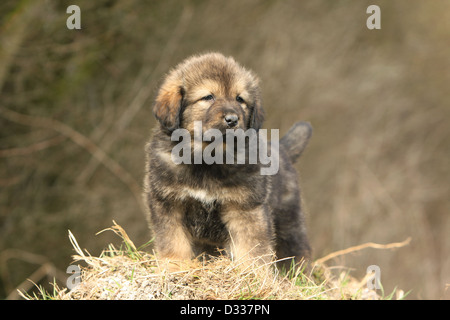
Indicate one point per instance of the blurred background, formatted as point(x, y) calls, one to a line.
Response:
point(75, 114)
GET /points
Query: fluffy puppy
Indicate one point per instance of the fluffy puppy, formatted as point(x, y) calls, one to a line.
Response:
point(203, 208)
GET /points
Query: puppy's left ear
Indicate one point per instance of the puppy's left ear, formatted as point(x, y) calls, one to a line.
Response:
point(257, 116)
point(168, 105)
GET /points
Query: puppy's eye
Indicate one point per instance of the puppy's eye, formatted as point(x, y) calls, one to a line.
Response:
point(239, 99)
point(208, 98)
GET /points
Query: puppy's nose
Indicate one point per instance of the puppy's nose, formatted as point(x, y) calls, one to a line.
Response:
point(231, 120)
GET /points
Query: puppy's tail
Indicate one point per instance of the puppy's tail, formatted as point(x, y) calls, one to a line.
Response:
point(296, 140)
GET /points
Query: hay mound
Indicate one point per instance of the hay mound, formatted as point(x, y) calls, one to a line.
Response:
point(128, 273)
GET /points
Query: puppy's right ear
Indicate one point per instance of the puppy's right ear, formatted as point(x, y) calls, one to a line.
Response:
point(168, 105)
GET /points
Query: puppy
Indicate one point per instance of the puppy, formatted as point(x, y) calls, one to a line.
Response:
point(196, 207)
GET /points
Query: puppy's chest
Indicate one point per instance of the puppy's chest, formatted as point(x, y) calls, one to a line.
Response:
point(207, 198)
point(212, 194)
point(203, 221)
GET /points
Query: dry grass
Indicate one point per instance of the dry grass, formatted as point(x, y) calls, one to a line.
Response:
point(128, 273)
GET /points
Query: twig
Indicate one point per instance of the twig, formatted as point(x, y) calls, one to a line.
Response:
point(363, 246)
point(46, 269)
point(32, 148)
point(9, 254)
point(83, 142)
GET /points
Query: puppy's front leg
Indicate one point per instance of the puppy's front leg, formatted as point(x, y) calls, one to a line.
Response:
point(172, 241)
point(251, 233)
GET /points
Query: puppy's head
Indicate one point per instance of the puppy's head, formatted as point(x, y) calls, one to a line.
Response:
point(210, 88)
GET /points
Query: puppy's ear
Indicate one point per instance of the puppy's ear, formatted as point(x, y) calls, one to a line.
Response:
point(257, 116)
point(168, 105)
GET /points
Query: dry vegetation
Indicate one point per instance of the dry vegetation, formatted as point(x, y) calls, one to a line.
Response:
point(75, 113)
point(128, 273)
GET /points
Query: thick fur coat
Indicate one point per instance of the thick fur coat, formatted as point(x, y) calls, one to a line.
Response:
point(204, 208)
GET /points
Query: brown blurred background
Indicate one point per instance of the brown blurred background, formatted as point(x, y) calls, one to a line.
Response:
point(75, 113)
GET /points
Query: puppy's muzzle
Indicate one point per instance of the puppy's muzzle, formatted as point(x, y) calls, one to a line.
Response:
point(231, 120)
point(224, 116)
